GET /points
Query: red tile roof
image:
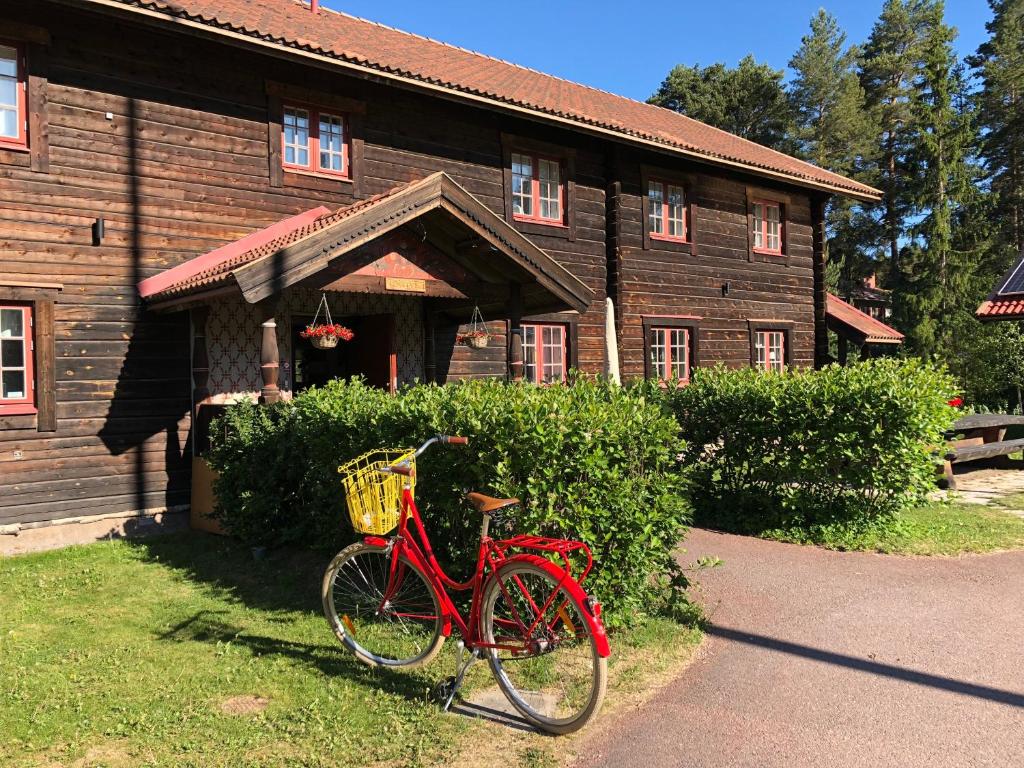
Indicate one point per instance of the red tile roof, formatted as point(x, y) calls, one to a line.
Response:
point(874, 331)
point(371, 46)
point(214, 268)
point(1001, 309)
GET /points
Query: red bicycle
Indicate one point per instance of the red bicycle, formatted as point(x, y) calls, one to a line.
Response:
point(387, 599)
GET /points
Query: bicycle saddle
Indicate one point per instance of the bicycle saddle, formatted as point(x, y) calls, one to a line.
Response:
point(489, 504)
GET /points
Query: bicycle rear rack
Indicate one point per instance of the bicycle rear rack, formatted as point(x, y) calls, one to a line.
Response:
point(562, 547)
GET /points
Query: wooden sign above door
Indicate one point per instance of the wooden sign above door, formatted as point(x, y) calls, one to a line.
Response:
point(405, 285)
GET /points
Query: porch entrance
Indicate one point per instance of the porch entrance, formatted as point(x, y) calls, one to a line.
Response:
point(370, 354)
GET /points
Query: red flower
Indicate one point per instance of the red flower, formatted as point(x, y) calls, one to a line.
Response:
point(318, 331)
point(956, 402)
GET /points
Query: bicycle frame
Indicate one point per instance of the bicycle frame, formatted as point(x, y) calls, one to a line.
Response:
point(414, 544)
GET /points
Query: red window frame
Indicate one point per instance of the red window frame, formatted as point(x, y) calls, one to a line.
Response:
point(538, 366)
point(763, 341)
point(665, 333)
point(21, 140)
point(763, 229)
point(663, 214)
point(26, 404)
point(313, 142)
point(535, 216)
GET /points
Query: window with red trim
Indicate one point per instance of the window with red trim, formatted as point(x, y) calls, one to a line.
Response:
point(17, 385)
point(537, 189)
point(770, 350)
point(314, 141)
point(544, 352)
point(13, 90)
point(666, 211)
point(670, 353)
point(767, 221)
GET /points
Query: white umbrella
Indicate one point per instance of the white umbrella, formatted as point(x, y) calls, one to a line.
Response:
point(610, 342)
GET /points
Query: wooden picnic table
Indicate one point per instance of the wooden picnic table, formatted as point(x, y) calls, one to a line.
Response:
point(983, 438)
point(991, 427)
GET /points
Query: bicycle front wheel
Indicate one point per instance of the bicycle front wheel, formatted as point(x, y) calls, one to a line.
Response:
point(548, 665)
point(385, 623)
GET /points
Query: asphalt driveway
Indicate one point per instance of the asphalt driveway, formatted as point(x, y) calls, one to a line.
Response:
point(820, 658)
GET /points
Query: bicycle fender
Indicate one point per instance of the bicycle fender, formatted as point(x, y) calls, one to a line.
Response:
point(375, 541)
point(574, 589)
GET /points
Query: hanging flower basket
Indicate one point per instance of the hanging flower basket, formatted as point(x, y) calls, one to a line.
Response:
point(477, 336)
point(474, 339)
point(325, 335)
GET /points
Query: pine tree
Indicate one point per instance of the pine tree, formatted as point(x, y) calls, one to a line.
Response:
point(748, 100)
point(933, 281)
point(887, 75)
point(999, 64)
point(835, 131)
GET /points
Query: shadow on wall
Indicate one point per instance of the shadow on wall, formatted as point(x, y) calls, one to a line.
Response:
point(152, 395)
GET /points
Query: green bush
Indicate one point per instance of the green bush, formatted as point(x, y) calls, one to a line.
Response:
point(815, 454)
point(590, 461)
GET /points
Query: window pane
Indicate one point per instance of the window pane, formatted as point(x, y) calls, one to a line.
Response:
point(522, 185)
point(13, 385)
point(296, 136)
point(758, 225)
point(658, 363)
point(12, 323)
point(8, 92)
point(9, 123)
point(759, 348)
point(8, 61)
point(12, 353)
point(332, 142)
point(530, 353)
point(655, 208)
point(772, 225)
point(549, 174)
point(680, 353)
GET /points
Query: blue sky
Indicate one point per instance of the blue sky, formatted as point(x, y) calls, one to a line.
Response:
point(628, 47)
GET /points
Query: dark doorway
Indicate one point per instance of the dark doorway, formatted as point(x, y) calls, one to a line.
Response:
point(370, 354)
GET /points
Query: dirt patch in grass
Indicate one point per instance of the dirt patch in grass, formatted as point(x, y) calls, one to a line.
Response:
point(244, 705)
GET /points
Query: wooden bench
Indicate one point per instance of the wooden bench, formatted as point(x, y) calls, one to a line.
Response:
point(983, 438)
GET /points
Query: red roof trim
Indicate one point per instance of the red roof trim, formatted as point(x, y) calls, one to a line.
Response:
point(367, 45)
point(210, 262)
point(873, 330)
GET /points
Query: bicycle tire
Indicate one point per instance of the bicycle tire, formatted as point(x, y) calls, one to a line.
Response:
point(534, 571)
point(358, 574)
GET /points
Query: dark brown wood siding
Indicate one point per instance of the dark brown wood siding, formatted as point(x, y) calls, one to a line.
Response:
point(666, 281)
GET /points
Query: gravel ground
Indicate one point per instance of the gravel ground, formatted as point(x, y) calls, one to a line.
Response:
point(819, 658)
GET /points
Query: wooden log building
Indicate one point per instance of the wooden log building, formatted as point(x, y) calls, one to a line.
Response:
point(183, 181)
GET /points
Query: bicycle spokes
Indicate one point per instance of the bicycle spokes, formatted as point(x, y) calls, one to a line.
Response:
point(391, 619)
point(543, 655)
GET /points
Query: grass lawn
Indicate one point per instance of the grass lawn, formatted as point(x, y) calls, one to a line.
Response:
point(940, 528)
point(185, 651)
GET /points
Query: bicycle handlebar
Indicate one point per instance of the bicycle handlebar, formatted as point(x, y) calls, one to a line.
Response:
point(404, 469)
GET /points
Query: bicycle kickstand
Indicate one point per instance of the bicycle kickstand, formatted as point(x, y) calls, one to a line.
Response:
point(461, 667)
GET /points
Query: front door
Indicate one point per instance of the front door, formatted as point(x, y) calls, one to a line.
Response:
point(370, 354)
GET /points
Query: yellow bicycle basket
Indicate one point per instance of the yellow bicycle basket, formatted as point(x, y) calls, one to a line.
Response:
point(374, 499)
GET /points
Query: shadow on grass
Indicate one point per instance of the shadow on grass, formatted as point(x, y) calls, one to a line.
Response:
point(284, 581)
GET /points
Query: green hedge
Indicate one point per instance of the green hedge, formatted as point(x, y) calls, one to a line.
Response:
point(590, 461)
point(817, 454)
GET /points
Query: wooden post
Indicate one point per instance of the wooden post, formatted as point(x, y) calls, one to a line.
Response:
point(269, 364)
point(429, 343)
point(818, 244)
point(516, 362)
point(200, 356)
point(200, 380)
point(844, 349)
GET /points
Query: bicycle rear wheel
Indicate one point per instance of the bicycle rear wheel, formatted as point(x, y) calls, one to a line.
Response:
point(549, 667)
point(402, 629)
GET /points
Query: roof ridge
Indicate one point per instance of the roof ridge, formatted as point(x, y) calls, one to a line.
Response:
point(472, 52)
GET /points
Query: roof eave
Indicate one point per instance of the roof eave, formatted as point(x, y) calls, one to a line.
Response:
point(869, 194)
